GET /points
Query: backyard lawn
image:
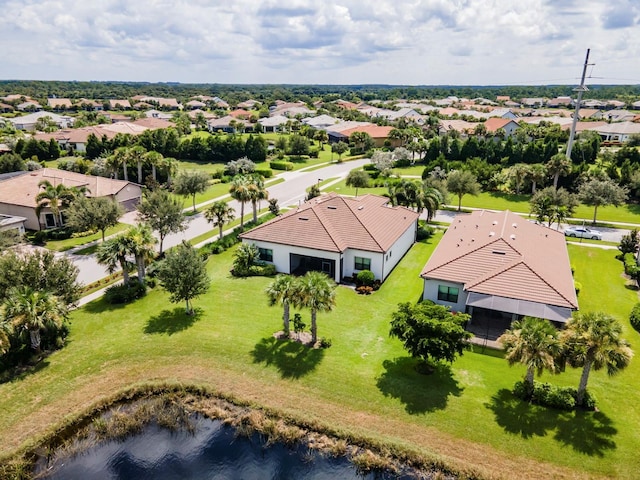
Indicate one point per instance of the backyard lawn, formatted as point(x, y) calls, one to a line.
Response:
point(364, 384)
point(69, 243)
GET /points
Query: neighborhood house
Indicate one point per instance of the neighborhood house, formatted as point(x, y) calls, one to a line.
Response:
point(338, 235)
point(498, 267)
point(18, 193)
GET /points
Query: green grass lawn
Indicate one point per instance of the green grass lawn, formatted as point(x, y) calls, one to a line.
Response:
point(364, 384)
point(69, 243)
point(341, 188)
point(520, 203)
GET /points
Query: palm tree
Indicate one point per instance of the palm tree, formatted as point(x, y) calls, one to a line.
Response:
point(536, 174)
point(113, 254)
point(122, 157)
point(557, 166)
point(432, 198)
point(53, 197)
point(534, 343)
point(317, 292)
point(239, 191)
point(34, 311)
point(170, 167)
point(137, 154)
point(408, 193)
point(281, 291)
point(257, 192)
point(154, 159)
point(140, 242)
point(592, 341)
point(219, 214)
point(322, 137)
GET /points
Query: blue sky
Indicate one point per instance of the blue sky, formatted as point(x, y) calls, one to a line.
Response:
point(417, 42)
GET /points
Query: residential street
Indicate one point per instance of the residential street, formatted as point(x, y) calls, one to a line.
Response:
point(289, 192)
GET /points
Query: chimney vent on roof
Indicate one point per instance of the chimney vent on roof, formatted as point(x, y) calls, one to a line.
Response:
point(332, 207)
point(303, 218)
point(491, 234)
point(514, 225)
point(360, 207)
point(495, 222)
point(512, 237)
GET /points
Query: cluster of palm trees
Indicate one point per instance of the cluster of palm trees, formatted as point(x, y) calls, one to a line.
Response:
point(137, 243)
point(314, 290)
point(418, 195)
point(248, 188)
point(591, 341)
point(138, 156)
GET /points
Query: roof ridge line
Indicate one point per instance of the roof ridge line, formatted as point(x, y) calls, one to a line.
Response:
point(550, 285)
point(493, 273)
point(468, 253)
point(323, 219)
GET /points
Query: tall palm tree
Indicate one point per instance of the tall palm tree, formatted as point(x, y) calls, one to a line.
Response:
point(357, 179)
point(408, 193)
point(113, 254)
point(122, 157)
point(537, 173)
point(557, 166)
point(140, 242)
point(154, 159)
point(534, 343)
point(54, 197)
point(239, 191)
point(281, 292)
point(137, 155)
point(317, 292)
point(34, 311)
point(593, 341)
point(257, 192)
point(219, 214)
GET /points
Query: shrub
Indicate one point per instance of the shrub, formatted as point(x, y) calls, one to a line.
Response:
point(547, 395)
point(365, 277)
point(281, 165)
point(577, 286)
point(634, 318)
point(424, 231)
point(314, 153)
point(364, 290)
point(370, 167)
point(266, 270)
point(264, 172)
point(119, 294)
point(325, 342)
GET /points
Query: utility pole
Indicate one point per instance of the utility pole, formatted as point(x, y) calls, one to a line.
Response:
point(581, 89)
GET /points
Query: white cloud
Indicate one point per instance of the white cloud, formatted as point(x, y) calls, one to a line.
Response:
point(306, 41)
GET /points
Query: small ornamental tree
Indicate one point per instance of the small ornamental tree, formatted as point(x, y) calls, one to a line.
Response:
point(357, 179)
point(93, 213)
point(163, 213)
point(190, 184)
point(629, 243)
point(340, 149)
point(430, 332)
point(184, 275)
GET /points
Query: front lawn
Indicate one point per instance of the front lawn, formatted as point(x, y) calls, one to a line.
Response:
point(364, 384)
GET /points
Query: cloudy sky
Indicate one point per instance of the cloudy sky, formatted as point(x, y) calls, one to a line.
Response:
point(416, 42)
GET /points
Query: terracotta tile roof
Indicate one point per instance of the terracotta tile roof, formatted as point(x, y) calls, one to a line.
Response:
point(335, 223)
point(375, 131)
point(59, 102)
point(22, 189)
point(152, 123)
point(494, 124)
point(500, 253)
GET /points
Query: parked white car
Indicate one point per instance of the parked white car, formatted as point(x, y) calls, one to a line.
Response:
point(583, 232)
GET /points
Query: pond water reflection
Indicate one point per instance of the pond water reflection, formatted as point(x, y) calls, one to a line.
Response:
point(212, 451)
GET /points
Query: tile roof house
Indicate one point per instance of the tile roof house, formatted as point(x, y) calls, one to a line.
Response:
point(508, 125)
point(18, 193)
point(119, 104)
point(337, 235)
point(617, 132)
point(499, 267)
point(59, 103)
point(28, 122)
point(377, 132)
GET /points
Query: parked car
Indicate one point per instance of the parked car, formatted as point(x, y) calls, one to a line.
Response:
point(582, 232)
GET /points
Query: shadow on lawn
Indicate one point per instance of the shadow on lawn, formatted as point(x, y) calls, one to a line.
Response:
point(419, 393)
point(292, 359)
point(586, 432)
point(172, 321)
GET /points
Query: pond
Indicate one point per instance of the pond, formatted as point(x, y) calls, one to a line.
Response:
point(212, 450)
